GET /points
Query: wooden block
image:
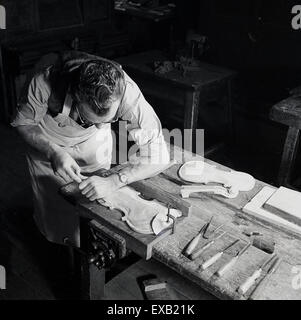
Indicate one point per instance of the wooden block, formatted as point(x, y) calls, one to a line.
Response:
point(156, 289)
point(285, 203)
point(256, 209)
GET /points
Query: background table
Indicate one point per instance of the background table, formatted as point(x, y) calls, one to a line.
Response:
point(179, 100)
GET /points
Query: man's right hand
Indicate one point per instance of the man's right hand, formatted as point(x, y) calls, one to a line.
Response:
point(65, 166)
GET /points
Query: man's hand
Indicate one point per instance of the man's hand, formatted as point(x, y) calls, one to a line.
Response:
point(65, 166)
point(95, 188)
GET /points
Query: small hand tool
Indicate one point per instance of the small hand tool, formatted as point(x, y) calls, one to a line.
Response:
point(216, 257)
point(232, 262)
point(194, 242)
point(273, 268)
point(206, 228)
point(252, 233)
point(214, 231)
point(243, 288)
point(174, 219)
point(207, 245)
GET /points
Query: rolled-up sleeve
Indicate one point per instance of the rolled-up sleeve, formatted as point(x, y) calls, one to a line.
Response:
point(143, 125)
point(33, 103)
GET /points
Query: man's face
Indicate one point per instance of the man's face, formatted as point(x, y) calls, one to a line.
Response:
point(89, 117)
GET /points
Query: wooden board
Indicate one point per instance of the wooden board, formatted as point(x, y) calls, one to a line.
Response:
point(169, 252)
point(256, 207)
point(285, 203)
point(279, 284)
point(228, 212)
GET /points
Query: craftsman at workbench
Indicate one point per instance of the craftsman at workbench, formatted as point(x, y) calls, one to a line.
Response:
point(65, 116)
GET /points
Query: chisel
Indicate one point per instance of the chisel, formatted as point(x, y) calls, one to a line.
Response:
point(206, 246)
point(232, 262)
point(216, 257)
point(194, 242)
point(206, 228)
point(252, 279)
point(273, 268)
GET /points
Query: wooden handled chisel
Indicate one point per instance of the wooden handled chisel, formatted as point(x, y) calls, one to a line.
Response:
point(196, 254)
point(232, 262)
point(275, 265)
point(243, 288)
point(194, 242)
point(216, 257)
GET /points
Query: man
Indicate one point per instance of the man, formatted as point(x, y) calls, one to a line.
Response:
point(65, 116)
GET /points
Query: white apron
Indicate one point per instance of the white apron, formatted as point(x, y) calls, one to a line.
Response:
point(92, 150)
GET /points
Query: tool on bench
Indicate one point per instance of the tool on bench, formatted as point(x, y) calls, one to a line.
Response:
point(195, 255)
point(273, 268)
point(194, 242)
point(217, 256)
point(213, 232)
point(232, 262)
point(252, 233)
point(174, 221)
point(243, 288)
point(206, 228)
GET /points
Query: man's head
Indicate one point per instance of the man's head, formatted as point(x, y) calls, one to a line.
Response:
point(98, 88)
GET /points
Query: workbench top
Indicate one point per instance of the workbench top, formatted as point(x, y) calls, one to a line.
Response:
point(206, 75)
point(228, 212)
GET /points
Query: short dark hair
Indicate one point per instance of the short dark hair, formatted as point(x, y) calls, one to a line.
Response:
point(98, 83)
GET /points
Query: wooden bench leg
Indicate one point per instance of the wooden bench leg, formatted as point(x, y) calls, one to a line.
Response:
point(288, 157)
point(93, 282)
point(92, 279)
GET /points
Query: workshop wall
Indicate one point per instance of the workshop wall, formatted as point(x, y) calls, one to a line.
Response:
point(256, 38)
point(37, 27)
point(252, 37)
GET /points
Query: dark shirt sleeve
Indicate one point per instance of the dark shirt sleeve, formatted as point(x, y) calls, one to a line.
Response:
point(33, 103)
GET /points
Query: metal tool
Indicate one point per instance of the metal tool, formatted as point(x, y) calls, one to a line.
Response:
point(252, 233)
point(215, 231)
point(244, 287)
point(206, 246)
point(232, 262)
point(273, 268)
point(194, 242)
point(174, 219)
point(217, 256)
point(206, 228)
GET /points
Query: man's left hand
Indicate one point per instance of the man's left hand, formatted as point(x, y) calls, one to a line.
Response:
point(95, 187)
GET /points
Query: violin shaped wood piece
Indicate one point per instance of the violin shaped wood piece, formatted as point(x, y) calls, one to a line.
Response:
point(202, 172)
point(230, 193)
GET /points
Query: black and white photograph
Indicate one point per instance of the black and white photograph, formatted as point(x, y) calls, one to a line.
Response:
point(149, 153)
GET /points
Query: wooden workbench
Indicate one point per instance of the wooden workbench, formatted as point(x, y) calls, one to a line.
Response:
point(229, 212)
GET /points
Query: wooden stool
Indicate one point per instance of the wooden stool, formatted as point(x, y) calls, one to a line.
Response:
point(288, 112)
